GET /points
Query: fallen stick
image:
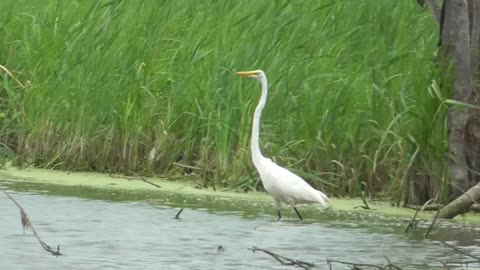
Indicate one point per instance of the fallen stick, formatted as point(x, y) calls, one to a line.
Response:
point(431, 207)
point(284, 260)
point(354, 265)
point(148, 182)
point(191, 167)
point(358, 266)
point(136, 178)
point(27, 224)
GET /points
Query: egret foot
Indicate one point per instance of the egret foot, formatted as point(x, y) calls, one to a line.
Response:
point(298, 213)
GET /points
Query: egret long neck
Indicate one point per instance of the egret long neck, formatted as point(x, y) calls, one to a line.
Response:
point(255, 145)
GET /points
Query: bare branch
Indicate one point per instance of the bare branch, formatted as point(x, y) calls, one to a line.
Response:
point(284, 260)
point(359, 266)
point(461, 251)
point(27, 224)
point(148, 182)
point(433, 222)
point(177, 216)
point(431, 207)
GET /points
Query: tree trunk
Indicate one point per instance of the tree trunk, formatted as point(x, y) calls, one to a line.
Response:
point(461, 204)
point(474, 7)
point(456, 40)
point(459, 22)
point(435, 7)
point(460, 36)
point(472, 135)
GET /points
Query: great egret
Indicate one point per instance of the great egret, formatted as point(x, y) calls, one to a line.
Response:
point(283, 185)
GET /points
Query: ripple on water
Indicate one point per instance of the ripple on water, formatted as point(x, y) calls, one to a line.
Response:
point(96, 234)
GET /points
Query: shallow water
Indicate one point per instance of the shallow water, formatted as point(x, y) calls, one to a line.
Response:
point(128, 230)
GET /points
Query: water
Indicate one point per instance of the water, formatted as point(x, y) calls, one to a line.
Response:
point(96, 232)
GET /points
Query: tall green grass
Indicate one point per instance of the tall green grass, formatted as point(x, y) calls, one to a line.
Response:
point(124, 86)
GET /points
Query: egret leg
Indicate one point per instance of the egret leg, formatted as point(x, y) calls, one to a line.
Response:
point(298, 213)
point(278, 205)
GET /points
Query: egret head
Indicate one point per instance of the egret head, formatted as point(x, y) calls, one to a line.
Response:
point(255, 74)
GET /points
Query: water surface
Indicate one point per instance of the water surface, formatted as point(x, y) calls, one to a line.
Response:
point(117, 230)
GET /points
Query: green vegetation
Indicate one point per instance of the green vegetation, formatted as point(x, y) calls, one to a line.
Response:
point(125, 86)
point(183, 193)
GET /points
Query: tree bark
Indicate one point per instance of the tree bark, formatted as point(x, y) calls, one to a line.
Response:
point(460, 33)
point(472, 135)
point(459, 22)
point(475, 41)
point(456, 40)
point(474, 7)
point(461, 204)
point(435, 7)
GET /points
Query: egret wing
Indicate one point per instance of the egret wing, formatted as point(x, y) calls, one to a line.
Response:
point(290, 187)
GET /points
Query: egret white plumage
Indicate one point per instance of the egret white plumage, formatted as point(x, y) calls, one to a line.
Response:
point(283, 185)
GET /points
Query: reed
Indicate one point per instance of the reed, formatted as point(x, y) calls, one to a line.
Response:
point(124, 86)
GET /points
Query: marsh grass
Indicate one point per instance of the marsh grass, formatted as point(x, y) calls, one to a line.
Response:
point(124, 86)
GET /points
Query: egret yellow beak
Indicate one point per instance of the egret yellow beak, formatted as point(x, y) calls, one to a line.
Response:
point(247, 73)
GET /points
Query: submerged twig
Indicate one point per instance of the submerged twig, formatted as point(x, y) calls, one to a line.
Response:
point(460, 251)
point(390, 265)
point(413, 223)
point(27, 224)
point(177, 216)
point(284, 260)
point(433, 222)
point(354, 265)
point(476, 259)
point(360, 266)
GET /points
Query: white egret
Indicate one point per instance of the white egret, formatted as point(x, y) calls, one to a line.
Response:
point(283, 185)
